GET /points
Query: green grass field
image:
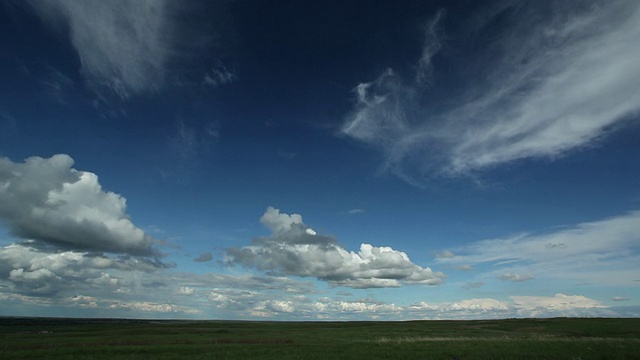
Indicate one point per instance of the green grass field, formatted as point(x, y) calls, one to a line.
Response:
point(560, 338)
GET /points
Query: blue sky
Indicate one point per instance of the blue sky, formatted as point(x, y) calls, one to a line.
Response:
point(308, 161)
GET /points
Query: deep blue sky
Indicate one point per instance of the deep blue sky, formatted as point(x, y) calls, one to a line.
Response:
point(319, 160)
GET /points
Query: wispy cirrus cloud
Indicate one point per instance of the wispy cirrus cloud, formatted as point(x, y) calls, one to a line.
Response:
point(122, 45)
point(296, 249)
point(219, 75)
point(558, 76)
point(604, 251)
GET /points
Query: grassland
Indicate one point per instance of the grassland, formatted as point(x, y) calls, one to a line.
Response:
point(560, 338)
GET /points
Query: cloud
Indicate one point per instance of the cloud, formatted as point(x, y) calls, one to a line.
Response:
point(124, 45)
point(464, 267)
point(219, 75)
point(446, 254)
point(204, 257)
point(296, 249)
point(185, 290)
point(431, 46)
point(355, 211)
point(251, 304)
point(45, 199)
point(516, 277)
point(603, 251)
point(473, 285)
point(191, 142)
point(518, 306)
point(538, 88)
point(37, 271)
point(557, 302)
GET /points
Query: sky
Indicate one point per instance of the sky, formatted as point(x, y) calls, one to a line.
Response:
point(334, 160)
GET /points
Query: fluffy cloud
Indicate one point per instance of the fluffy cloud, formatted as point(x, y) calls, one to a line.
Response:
point(603, 251)
point(518, 306)
point(296, 249)
point(38, 271)
point(559, 302)
point(242, 303)
point(545, 85)
point(49, 201)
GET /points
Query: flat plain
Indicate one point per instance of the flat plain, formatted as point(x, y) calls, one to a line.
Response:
point(557, 338)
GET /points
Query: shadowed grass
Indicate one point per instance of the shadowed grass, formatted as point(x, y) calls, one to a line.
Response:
point(487, 339)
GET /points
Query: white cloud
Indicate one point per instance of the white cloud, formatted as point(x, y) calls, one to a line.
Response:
point(557, 302)
point(219, 75)
point(293, 250)
point(431, 46)
point(620, 298)
point(518, 306)
point(148, 306)
point(516, 277)
point(604, 251)
point(123, 45)
point(547, 84)
point(280, 223)
point(49, 201)
point(464, 267)
point(185, 290)
point(46, 272)
point(446, 254)
point(257, 304)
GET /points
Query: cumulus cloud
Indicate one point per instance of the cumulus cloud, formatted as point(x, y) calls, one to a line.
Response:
point(38, 271)
point(517, 306)
point(123, 45)
point(557, 302)
point(185, 290)
point(603, 251)
point(296, 249)
point(542, 86)
point(45, 199)
point(258, 304)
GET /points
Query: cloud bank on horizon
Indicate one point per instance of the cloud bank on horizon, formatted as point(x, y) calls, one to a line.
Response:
point(42, 271)
point(557, 78)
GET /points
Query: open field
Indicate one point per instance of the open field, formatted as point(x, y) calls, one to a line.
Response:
point(560, 338)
